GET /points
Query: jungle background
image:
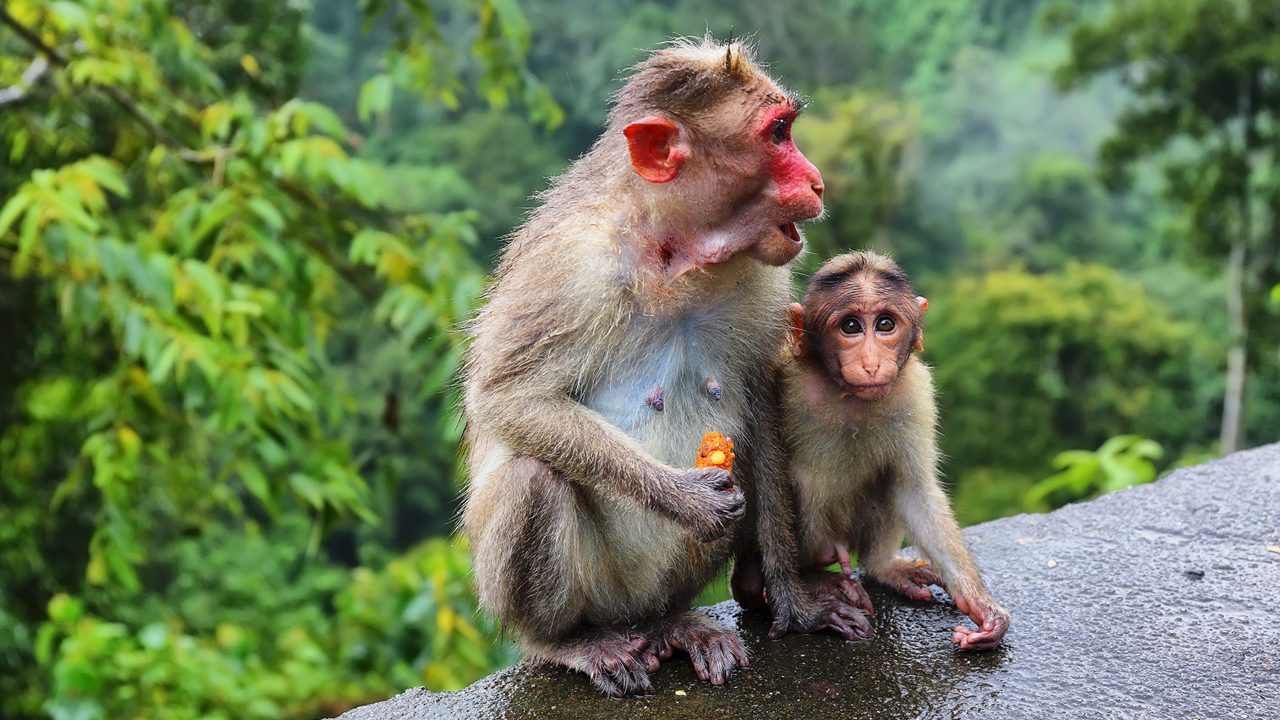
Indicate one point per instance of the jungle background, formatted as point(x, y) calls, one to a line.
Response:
point(237, 238)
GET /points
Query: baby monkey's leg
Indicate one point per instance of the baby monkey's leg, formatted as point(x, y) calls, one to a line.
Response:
point(927, 514)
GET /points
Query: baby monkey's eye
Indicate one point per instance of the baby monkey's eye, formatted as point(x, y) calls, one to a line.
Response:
point(850, 326)
point(885, 324)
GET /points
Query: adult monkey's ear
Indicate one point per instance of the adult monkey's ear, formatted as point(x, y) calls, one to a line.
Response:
point(923, 302)
point(798, 344)
point(657, 147)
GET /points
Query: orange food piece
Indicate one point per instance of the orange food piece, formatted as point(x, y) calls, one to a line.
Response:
point(716, 451)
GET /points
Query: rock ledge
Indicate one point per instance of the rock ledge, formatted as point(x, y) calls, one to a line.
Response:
point(1154, 602)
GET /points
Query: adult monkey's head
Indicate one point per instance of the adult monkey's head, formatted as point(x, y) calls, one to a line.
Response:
point(708, 135)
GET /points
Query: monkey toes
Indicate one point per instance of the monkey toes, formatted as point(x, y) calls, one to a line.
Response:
point(828, 613)
point(715, 651)
point(826, 584)
point(613, 661)
point(910, 578)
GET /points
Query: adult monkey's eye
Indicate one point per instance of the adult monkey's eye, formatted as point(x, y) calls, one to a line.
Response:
point(781, 129)
point(850, 326)
point(885, 324)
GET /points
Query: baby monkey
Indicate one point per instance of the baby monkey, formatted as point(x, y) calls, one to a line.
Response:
point(861, 422)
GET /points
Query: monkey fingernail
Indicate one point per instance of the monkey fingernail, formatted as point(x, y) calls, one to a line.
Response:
point(713, 388)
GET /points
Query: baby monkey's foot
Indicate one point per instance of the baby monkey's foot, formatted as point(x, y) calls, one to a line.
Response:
point(825, 584)
point(715, 651)
point(910, 578)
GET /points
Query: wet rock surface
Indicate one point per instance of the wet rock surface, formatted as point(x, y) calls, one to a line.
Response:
point(1155, 602)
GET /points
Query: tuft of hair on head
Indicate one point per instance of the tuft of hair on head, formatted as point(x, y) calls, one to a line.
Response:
point(863, 266)
point(686, 78)
point(854, 278)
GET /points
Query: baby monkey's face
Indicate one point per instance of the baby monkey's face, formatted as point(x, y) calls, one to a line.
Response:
point(866, 345)
point(860, 327)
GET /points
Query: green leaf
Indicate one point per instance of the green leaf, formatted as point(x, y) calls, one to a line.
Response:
point(53, 399)
point(206, 279)
point(375, 98)
point(64, 609)
point(27, 239)
point(160, 369)
point(120, 566)
point(216, 213)
point(106, 173)
point(154, 636)
point(324, 119)
point(308, 489)
point(255, 481)
point(267, 212)
point(12, 209)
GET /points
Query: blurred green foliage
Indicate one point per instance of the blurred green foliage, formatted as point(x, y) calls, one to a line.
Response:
point(1031, 363)
point(237, 237)
point(267, 654)
point(1206, 104)
point(1121, 462)
point(201, 252)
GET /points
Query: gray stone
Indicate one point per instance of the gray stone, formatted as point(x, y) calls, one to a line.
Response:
point(1154, 602)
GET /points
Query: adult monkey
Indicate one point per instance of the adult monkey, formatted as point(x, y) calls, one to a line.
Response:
point(641, 306)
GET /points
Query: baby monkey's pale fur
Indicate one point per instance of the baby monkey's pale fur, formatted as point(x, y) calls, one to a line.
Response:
point(865, 469)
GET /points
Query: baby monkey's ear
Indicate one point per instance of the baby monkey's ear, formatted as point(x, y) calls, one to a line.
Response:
point(923, 302)
point(798, 345)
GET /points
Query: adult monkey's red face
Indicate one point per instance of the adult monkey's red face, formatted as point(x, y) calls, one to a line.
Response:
point(725, 176)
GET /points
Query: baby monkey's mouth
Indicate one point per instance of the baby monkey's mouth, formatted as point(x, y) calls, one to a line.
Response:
point(791, 231)
point(870, 391)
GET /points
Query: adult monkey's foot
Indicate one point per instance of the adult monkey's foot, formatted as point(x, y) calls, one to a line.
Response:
point(827, 584)
point(610, 657)
point(715, 650)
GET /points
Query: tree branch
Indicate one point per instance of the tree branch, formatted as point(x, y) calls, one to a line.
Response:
point(118, 97)
point(16, 93)
point(350, 273)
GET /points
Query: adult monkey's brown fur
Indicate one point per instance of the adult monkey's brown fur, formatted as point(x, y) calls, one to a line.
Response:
point(640, 307)
point(861, 421)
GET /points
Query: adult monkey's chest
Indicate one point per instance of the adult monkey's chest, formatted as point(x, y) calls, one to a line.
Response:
point(678, 377)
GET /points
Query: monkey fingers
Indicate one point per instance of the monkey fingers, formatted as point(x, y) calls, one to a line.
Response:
point(610, 657)
point(991, 619)
point(715, 506)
